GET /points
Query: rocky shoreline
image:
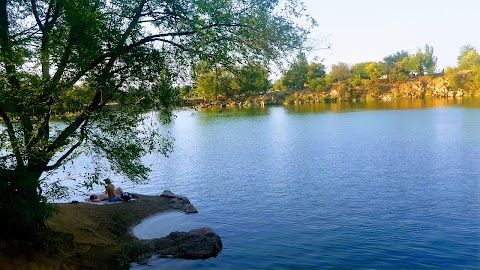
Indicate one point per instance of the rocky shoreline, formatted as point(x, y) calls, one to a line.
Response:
point(202, 243)
point(415, 88)
point(90, 236)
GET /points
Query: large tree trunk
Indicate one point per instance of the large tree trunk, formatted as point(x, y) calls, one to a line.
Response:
point(22, 208)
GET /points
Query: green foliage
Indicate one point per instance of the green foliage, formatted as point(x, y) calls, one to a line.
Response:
point(318, 83)
point(296, 76)
point(251, 79)
point(301, 74)
point(74, 99)
point(79, 56)
point(340, 72)
point(392, 59)
point(429, 61)
point(213, 83)
point(374, 71)
point(278, 85)
point(466, 76)
point(393, 65)
point(469, 60)
point(235, 81)
point(464, 50)
point(186, 90)
point(466, 80)
point(421, 62)
point(315, 71)
point(401, 65)
point(359, 70)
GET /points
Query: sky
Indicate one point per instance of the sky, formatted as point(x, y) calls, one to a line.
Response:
point(369, 30)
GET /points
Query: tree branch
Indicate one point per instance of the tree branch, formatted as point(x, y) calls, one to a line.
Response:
point(159, 37)
point(64, 61)
point(92, 65)
point(133, 23)
point(13, 138)
point(70, 129)
point(35, 14)
point(84, 116)
point(55, 15)
point(59, 162)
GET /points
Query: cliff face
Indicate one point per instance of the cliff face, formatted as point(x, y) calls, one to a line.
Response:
point(420, 87)
point(423, 87)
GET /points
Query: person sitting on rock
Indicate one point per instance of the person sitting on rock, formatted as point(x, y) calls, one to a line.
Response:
point(114, 194)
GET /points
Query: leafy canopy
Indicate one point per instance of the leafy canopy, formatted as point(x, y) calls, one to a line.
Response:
point(58, 56)
point(469, 58)
point(296, 76)
point(232, 81)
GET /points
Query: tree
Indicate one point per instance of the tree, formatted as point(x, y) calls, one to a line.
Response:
point(374, 70)
point(222, 81)
point(469, 60)
point(296, 76)
point(429, 61)
point(464, 50)
point(316, 76)
point(393, 66)
point(316, 70)
point(359, 70)
point(278, 85)
point(392, 59)
point(251, 79)
point(340, 72)
point(125, 51)
point(402, 64)
point(412, 63)
point(214, 83)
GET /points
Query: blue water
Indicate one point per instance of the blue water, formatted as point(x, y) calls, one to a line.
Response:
point(355, 189)
point(307, 187)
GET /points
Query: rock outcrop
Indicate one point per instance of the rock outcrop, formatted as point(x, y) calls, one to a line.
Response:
point(196, 244)
point(179, 202)
point(424, 87)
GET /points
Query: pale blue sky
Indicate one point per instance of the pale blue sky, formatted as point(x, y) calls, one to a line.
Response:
point(369, 30)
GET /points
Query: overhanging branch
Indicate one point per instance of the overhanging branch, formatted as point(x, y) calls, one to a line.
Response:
point(161, 37)
point(59, 162)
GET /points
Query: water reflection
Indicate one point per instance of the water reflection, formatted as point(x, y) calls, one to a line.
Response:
point(400, 104)
point(214, 115)
point(237, 112)
point(208, 114)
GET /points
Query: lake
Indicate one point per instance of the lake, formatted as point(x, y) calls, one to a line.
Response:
point(377, 185)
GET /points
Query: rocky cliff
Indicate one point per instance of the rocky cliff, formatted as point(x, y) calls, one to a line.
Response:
point(419, 87)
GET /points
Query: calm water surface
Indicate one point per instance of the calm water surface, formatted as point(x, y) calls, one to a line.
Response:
point(380, 185)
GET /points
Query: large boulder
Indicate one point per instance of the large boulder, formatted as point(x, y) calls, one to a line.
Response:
point(200, 243)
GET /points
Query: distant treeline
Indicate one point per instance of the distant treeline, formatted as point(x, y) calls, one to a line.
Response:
point(345, 81)
point(237, 84)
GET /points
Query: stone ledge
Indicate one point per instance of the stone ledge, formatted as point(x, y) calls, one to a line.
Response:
point(196, 244)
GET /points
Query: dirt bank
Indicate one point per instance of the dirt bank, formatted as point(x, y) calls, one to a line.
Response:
point(89, 236)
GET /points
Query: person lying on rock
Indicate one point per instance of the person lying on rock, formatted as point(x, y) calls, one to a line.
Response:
point(98, 197)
